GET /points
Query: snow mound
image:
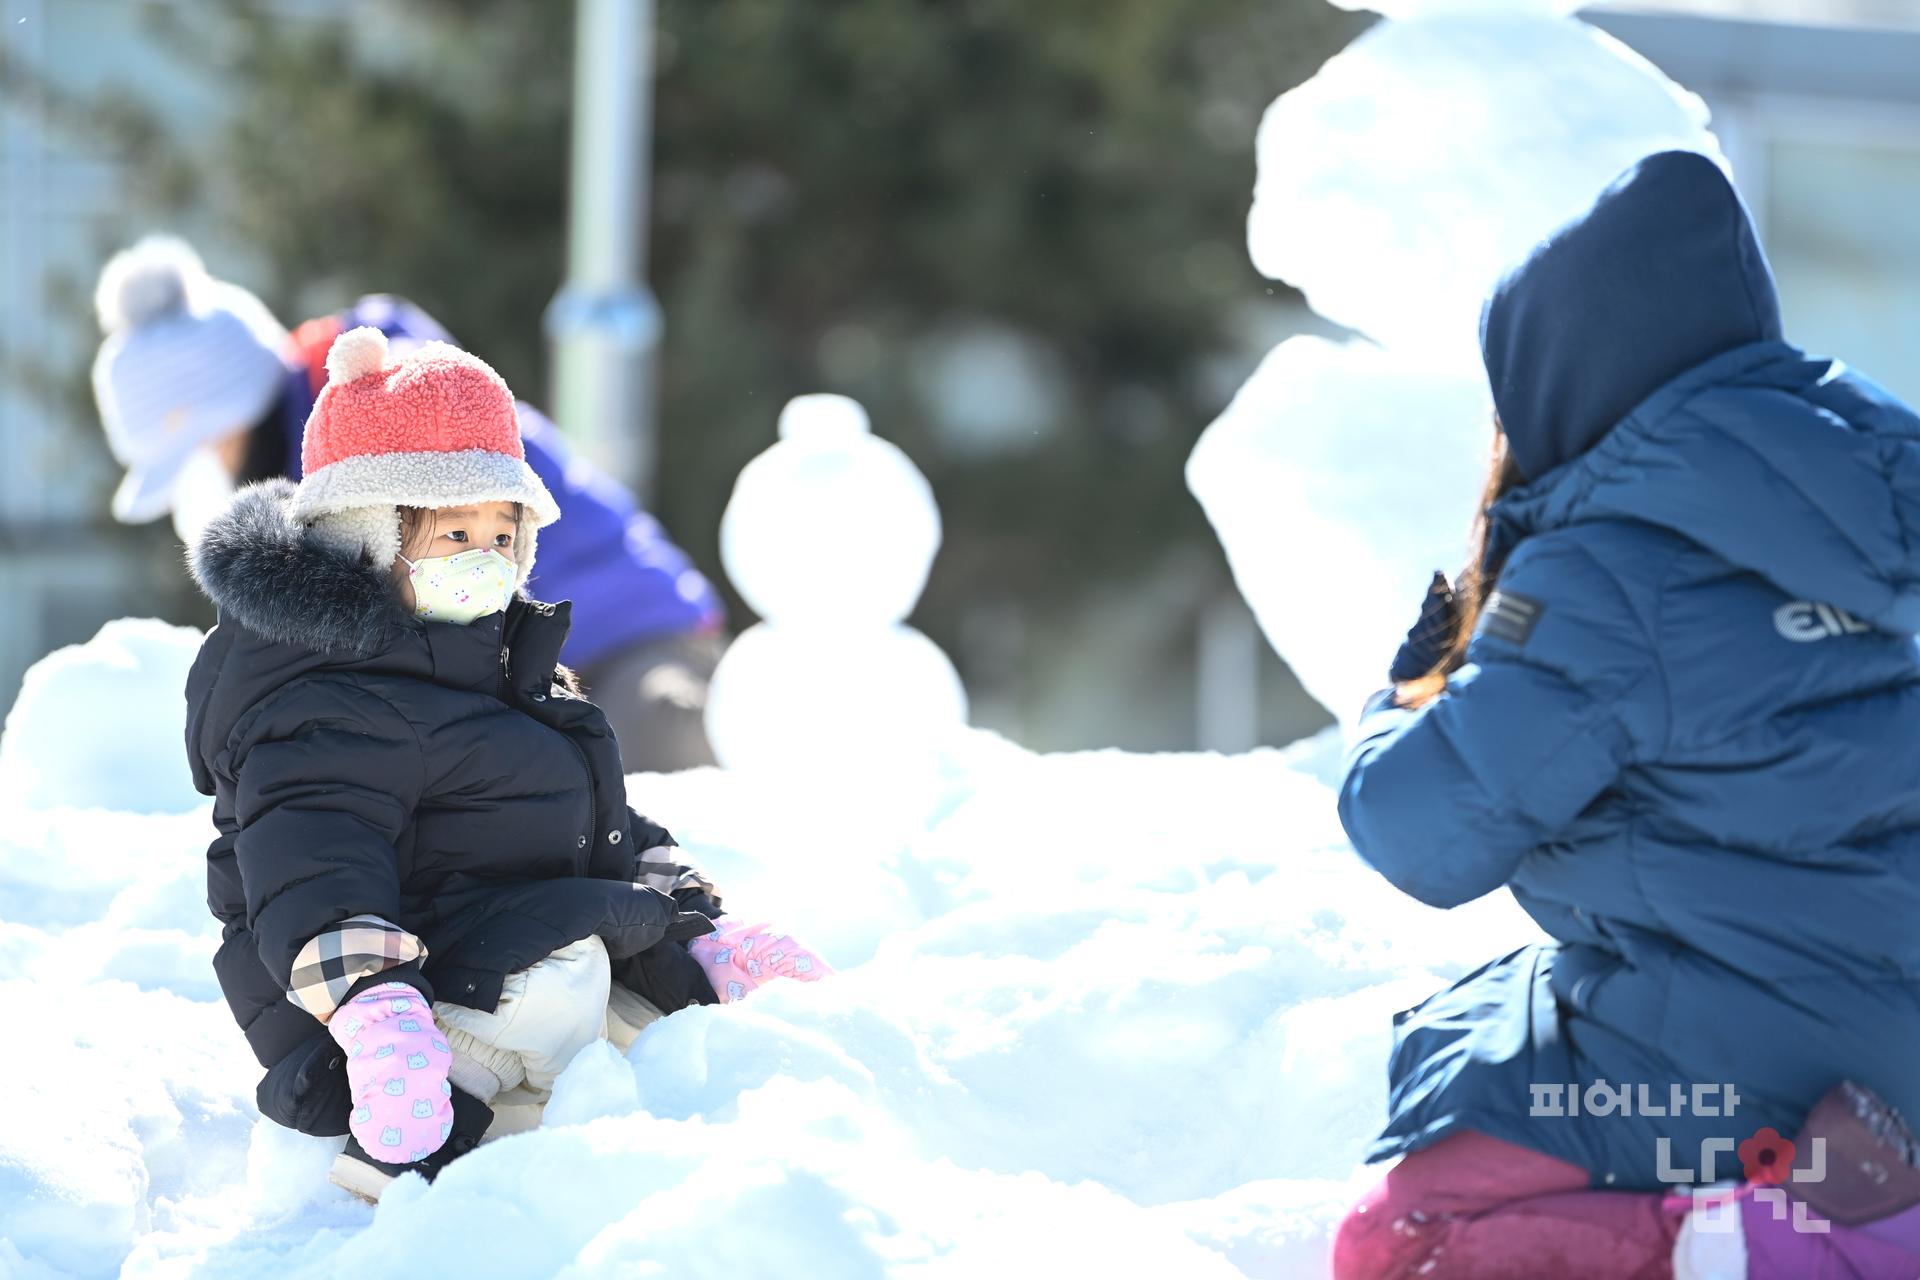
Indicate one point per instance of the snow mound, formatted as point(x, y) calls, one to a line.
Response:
point(1338, 480)
point(101, 725)
point(129, 1102)
point(1428, 156)
point(1097, 1011)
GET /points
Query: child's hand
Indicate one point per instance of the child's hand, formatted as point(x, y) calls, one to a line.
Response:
point(397, 1062)
point(1431, 638)
point(739, 957)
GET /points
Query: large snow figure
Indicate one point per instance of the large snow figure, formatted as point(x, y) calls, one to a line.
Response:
point(1338, 480)
point(102, 725)
point(1394, 188)
point(829, 535)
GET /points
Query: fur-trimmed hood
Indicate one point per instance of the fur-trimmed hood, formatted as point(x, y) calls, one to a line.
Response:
point(268, 572)
point(295, 606)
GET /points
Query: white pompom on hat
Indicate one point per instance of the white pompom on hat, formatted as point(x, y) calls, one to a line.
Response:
point(187, 360)
point(436, 429)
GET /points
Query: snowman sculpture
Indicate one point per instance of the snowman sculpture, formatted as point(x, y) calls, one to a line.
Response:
point(829, 536)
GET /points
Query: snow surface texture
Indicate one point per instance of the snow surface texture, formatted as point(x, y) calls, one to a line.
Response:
point(1097, 1012)
point(829, 536)
point(1395, 187)
point(83, 727)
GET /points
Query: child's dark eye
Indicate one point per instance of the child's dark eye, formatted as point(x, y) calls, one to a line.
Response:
point(457, 535)
point(503, 540)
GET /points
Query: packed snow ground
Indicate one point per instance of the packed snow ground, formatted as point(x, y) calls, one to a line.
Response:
point(1095, 1011)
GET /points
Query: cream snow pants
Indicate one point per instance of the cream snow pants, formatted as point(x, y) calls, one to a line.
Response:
point(547, 1013)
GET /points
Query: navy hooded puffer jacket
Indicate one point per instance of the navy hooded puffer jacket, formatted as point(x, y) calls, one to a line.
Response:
point(1687, 736)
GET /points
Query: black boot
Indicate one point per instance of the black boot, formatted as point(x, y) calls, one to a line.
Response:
point(1872, 1161)
point(366, 1177)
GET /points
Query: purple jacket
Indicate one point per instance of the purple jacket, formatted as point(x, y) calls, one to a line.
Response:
point(628, 583)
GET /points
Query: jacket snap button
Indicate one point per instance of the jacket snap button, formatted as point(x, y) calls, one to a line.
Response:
point(583, 842)
point(334, 1065)
point(539, 697)
point(470, 986)
point(613, 837)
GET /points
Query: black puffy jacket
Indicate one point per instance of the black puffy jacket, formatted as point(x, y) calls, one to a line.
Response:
point(425, 784)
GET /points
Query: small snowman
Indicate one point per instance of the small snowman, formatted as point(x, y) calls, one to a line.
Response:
point(829, 536)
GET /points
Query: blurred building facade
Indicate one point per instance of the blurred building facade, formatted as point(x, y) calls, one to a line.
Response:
point(65, 567)
point(1816, 103)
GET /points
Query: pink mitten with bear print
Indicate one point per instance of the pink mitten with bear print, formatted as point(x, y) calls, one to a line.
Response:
point(739, 957)
point(397, 1062)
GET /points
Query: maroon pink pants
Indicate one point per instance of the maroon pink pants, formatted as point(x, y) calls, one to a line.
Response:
point(1474, 1206)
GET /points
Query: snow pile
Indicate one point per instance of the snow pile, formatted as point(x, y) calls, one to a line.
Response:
point(82, 728)
point(1098, 1011)
point(1394, 188)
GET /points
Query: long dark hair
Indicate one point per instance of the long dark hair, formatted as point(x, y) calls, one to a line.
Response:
point(1475, 582)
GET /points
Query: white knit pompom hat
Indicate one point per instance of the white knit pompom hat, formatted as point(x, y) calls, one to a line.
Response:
point(187, 360)
point(435, 429)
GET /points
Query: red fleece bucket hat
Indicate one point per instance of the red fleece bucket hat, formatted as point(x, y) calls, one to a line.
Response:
point(436, 429)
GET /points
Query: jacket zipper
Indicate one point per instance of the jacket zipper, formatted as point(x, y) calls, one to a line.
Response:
point(593, 803)
point(506, 649)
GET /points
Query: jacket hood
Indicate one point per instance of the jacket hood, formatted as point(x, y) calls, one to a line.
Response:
point(1785, 465)
point(1661, 274)
point(260, 565)
point(292, 605)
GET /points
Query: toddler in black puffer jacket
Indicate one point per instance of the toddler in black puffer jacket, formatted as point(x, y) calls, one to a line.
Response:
point(432, 888)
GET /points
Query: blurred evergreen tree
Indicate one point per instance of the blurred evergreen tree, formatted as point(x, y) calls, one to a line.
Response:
point(837, 184)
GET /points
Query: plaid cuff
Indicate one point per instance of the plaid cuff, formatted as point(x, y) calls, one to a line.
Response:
point(659, 870)
point(332, 962)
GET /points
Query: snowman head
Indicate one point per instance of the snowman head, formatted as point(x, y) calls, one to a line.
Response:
point(831, 525)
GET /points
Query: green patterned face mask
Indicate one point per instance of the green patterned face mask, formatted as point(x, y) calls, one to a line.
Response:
point(463, 586)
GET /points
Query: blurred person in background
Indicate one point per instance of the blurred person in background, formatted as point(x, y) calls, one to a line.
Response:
point(201, 390)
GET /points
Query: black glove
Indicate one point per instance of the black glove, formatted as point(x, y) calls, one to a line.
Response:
point(666, 975)
point(1430, 639)
point(307, 1089)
